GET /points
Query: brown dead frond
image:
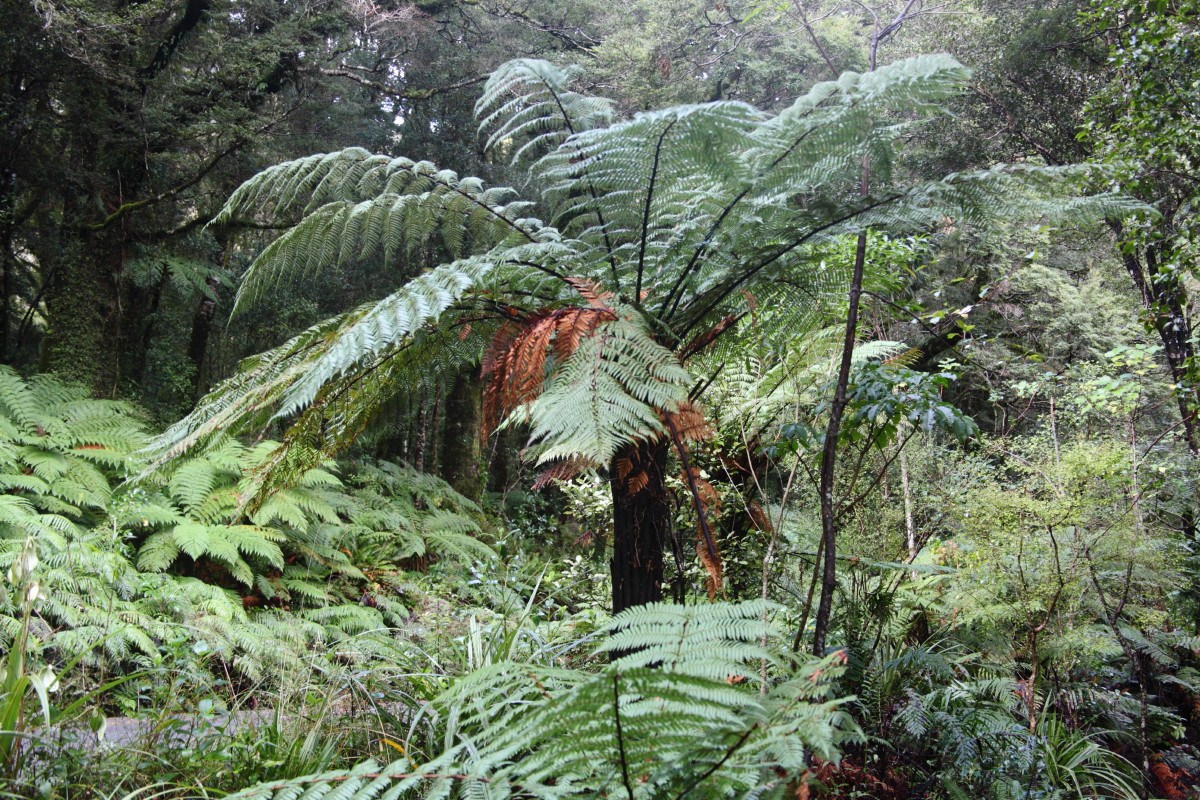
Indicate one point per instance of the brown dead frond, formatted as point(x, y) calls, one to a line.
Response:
point(561, 471)
point(689, 423)
point(637, 481)
point(593, 293)
point(759, 517)
point(707, 337)
point(710, 507)
point(713, 567)
point(514, 364)
point(623, 466)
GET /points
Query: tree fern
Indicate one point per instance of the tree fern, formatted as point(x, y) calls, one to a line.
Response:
point(662, 230)
point(673, 213)
point(685, 728)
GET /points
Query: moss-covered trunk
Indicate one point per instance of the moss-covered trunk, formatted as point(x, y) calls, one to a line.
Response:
point(83, 310)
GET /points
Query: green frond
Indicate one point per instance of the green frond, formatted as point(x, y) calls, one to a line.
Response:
point(608, 393)
point(360, 207)
point(192, 482)
point(547, 732)
point(285, 380)
point(531, 109)
point(710, 641)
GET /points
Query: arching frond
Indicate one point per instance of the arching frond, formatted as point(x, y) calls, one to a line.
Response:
point(291, 377)
point(531, 109)
point(363, 207)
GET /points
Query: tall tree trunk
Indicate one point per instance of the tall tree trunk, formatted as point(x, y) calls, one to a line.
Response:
point(420, 437)
point(641, 521)
point(910, 528)
point(201, 331)
point(6, 288)
point(7, 212)
point(1164, 300)
point(462, 450)
point(500, 473)
point(1164, 303)
point(433, 451)
point(139, 324)
point(838, 406)
point(82, 306)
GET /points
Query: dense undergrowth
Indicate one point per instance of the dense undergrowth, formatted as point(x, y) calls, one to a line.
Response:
point(359, 618)
point(128, 564)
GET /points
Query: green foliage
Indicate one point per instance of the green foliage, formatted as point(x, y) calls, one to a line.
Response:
point(695, 722)
point(606, 395)
point(881, 398)
point(672, 220)
point(530, 102)
point(398, 513)
point(59, 448)
point(127, 568)
point(1146, 123)
point(201, 514)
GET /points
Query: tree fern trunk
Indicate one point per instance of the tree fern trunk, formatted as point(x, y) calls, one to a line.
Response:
point(641, 517)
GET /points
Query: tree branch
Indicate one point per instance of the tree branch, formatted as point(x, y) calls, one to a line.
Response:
point(400, 94)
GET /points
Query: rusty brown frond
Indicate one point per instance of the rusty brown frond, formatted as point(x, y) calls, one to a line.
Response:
point(710, 507)
point(759, 517)
point(492, 371)
point(574, 324)
point(710, 500)
point(713, 568)
point(707, 337)
point(514, 364)
point(623, 466)
point(561, 471)
point(689, 423)
point(593, 293)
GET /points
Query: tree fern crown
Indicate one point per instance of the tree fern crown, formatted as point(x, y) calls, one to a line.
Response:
point(678, 220)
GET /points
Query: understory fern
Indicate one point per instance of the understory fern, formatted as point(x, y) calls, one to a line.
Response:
point(684, 715)
point(129, 566)
point(398, 513)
